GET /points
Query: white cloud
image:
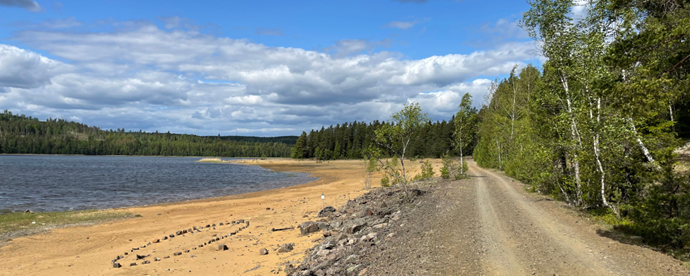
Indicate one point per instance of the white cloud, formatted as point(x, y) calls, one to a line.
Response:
point(403, 25)
point(25, 69)
point(26, 4)
point(144, 77)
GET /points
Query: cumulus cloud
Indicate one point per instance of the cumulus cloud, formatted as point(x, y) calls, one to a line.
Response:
point(346, 47)
point(142, 76)
point(26, 4)
point(25, 69)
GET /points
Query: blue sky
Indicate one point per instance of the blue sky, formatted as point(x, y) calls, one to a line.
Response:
point(251, 67)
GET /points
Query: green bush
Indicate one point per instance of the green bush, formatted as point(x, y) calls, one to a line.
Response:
point(385, 181)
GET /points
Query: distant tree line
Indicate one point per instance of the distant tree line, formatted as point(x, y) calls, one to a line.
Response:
point(20, 134)
point(351, 140)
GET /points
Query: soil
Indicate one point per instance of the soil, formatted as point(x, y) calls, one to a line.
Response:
point(488, 225)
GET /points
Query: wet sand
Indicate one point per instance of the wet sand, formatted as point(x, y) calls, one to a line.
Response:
point(88, 250)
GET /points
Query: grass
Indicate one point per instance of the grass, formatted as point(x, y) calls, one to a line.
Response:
point(21, 224)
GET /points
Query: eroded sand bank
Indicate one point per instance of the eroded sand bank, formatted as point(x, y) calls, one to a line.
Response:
point(88, 250)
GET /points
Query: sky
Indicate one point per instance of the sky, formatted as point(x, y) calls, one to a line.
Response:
point(259, 68)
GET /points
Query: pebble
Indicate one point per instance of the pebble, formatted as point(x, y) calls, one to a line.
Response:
point(263, 251)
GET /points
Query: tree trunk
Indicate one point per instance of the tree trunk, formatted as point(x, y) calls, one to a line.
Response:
point(646, 152)
point(574, 133)
point(462, 164)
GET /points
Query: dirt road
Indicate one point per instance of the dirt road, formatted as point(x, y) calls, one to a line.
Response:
point(488, 225)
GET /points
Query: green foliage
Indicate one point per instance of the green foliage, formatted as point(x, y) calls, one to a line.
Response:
point(597, 127)
point(448, 166)
point(461, 172)
point(385, 181)
point(427, 171)
point(353, 139)
point(22, 134)
point(23, 221)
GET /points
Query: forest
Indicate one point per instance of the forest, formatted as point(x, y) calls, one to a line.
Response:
point(600, 124)
point(352, 140)
point(20, 134)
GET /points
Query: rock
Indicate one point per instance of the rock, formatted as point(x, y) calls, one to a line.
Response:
point(364, 271)
point(323, 225)
point(208, 226)
point(186, 251)
point(172, 235)
point(221, 224)
point(380, 225)
point(222, 247)
point(146, 262)
point(177, 253)
point(178, 232)
point(139, 257)
point(156, 241)
point(326, 211)
point(263, 251)
point(286, 248)
point(133, 264)
point(352, 268)
point(308, 227)
point(116, 265)
point(28, 212)
point(355, 225)
point(165, 238)
point(366, 212)
point(166, 257)
point(157, 259)
point(240, 221)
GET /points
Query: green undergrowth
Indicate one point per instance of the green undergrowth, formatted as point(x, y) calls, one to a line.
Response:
point(666, 235)
point(28, 222)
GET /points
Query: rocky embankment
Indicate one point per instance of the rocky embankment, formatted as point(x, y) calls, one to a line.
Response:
point(349, 235)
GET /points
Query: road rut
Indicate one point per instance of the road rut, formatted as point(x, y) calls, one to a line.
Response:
point(488, 225)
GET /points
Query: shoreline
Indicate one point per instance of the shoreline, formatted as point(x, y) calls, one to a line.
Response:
point(89, 250)
point(234, 161)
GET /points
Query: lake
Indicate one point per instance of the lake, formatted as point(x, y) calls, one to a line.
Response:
point(62, 183)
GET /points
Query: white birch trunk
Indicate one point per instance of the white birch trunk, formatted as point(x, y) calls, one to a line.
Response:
point(574, 132)
point(645, 151)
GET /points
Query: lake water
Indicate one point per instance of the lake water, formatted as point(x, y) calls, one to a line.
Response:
point(60, 183)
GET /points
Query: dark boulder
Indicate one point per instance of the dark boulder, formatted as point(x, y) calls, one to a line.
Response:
point(326, 211)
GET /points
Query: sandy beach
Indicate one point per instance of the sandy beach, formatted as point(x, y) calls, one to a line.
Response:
point(89, 250)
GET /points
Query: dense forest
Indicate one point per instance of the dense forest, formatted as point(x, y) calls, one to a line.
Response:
point(351, 140)
point(598, 125)
point(22, 134)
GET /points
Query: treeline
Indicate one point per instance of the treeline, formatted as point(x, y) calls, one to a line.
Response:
point(597, 127)
point(351, 140)
point(26, 135)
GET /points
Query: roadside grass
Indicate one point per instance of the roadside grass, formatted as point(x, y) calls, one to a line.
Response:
point(14, 225)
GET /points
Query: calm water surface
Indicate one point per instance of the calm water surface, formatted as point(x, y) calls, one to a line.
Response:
point(60, 183)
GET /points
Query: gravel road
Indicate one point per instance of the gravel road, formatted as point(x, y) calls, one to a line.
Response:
point(488, 225)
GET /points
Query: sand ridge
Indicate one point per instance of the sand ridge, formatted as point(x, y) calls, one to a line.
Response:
point(88, 250)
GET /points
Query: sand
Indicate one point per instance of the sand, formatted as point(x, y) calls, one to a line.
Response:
point(88, 250)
